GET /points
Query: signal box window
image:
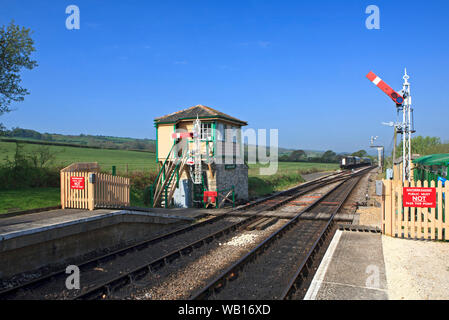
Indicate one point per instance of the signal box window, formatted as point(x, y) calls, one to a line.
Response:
point(206, 131)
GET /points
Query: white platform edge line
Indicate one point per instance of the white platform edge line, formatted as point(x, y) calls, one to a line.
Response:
point(322, 269)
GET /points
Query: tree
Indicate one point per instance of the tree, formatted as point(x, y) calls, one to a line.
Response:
point(360, 153)
point(329, 156)
point(297, 155)
point(16, 46)
point(422, 145)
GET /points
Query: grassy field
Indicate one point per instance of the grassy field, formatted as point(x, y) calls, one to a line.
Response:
point(140, 161)
point(287, 175)
point(137, 161)
point(82, 139)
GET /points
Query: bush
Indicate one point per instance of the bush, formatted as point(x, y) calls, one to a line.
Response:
point(140, 186)
point(147, 195)
point(141, 179)
point(28, 170)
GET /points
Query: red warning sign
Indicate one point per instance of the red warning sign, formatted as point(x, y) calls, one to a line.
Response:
point(77, 183)
point(419, 197)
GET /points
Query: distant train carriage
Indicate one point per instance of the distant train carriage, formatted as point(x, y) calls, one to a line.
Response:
point(350, 162)
point(367, 161)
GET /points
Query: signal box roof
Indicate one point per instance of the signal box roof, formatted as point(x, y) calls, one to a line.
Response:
point(199, 111)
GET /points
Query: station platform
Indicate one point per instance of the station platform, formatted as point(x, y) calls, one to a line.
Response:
point(42, 221)
point(33, 240)
point(353, 268)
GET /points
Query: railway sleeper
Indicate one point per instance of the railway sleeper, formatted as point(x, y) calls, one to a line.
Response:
point(140, 274)
point(155, 266)
point(255, 224)
point(173, 257)
point(267, 223)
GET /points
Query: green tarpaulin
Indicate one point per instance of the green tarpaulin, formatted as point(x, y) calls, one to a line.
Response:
point(433, 160)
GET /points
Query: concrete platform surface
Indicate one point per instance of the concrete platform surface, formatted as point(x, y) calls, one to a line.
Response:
point(47, 220)
point(51, 238)
point(353, 268)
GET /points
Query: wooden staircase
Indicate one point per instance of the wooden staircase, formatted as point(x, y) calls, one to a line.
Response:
point(167, 180)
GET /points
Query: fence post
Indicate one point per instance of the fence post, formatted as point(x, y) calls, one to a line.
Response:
point(114, 170)
point(91, 191)
point(388, 208)
point(439, 210)
point(432, 216)
point(62, 185)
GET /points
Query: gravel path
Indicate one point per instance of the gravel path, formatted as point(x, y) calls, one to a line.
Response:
point(364, 203)
point(416, 270)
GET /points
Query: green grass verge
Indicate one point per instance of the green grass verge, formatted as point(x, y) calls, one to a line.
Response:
point(288, 175)
point(259, 186)
point(26, 199)
point(294, 168)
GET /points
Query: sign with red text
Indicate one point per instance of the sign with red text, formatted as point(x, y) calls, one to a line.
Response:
point(419, 197)
point(77, 183)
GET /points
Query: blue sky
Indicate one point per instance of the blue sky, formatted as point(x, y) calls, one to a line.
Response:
point(296, 66)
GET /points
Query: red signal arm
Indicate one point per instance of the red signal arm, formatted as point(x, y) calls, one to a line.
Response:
point(396, 97)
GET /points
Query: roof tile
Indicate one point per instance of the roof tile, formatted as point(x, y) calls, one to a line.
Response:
point(193, 112)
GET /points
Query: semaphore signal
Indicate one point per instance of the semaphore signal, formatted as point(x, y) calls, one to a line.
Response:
point(403, 103)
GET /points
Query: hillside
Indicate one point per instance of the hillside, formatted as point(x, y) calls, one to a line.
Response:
point(64, 155)
point(103, 142)
point(109, 142)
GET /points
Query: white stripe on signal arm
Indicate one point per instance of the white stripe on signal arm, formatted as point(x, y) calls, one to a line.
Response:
point(377, 80)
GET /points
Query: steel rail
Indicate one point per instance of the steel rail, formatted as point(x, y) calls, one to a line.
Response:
point(106, 288)
point(297, 278)
point(232, 271)
point(4, 293)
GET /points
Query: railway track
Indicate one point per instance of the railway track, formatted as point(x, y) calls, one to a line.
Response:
point(184, 240)
point(106, 289)
point(11, 291)
point(277, 267)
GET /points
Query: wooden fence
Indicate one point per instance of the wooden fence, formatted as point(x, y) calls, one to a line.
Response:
point(90, 190)
point(411, 222)
point(111, 191)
